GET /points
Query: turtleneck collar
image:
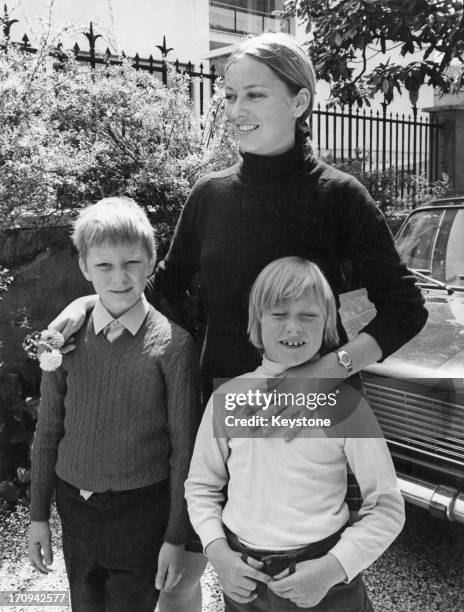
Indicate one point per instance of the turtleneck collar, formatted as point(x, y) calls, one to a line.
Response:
point(273, 368)
point(257, 168)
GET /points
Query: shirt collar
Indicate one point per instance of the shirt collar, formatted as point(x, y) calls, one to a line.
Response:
point(272, 368)
point(132, 319)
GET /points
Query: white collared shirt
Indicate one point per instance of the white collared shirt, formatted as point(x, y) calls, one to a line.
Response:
point(131, 320)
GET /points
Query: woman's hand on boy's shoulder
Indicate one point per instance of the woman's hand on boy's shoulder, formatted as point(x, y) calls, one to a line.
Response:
point(40, 546)
point(238, 579)
point(310, 582)
point(70, 320)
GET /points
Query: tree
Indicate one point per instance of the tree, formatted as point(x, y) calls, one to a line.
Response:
point(346, 33)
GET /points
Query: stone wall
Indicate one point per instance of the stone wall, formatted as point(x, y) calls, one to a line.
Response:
point(46, 278)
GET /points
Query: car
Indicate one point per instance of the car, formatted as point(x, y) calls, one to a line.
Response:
point(418, 392)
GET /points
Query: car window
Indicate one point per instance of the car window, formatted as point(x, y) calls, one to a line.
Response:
point(433, 243)
point(454, 267)
point(417, 238)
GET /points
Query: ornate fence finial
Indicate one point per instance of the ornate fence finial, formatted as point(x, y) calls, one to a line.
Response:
point(164, 50)
point(6, 22)
point(91, 37)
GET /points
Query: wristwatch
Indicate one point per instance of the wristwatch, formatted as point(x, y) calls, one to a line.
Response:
point(344, 359)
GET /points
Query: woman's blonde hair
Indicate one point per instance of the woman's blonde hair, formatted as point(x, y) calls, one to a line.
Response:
point(289, 62)
point(291, 278)
point(116, 220)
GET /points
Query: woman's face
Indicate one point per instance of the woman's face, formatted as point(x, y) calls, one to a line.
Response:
point(260, 107)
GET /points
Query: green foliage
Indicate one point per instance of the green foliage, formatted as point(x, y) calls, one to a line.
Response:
point(348, 32)
point(18, 425)
point(18, 416)
point(5, 279)
point(70, 137)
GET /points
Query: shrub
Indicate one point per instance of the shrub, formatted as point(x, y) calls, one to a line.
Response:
point(5, 279)
point(71, 136)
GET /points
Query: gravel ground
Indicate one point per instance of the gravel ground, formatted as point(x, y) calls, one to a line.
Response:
point(422, 571)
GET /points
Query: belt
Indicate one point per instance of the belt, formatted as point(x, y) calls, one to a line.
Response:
point(275, 562)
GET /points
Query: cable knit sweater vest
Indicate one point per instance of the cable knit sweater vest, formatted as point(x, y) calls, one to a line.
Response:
point(119, 416)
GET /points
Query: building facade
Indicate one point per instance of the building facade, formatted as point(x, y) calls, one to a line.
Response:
point(194, 29)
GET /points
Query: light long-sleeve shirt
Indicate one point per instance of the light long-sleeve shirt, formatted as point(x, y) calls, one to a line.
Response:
point(282, 495)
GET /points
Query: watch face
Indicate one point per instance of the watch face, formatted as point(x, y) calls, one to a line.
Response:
point(344, 359)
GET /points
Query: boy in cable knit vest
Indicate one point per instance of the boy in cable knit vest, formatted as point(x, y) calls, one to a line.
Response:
point(116, 428)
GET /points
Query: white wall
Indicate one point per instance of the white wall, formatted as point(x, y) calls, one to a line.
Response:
point(129, 25)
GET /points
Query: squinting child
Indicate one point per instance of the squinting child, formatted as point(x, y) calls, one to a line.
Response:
point(282, 540)
point(116, 428)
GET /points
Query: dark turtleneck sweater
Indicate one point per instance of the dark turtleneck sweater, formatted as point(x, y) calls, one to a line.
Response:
point(238, 220)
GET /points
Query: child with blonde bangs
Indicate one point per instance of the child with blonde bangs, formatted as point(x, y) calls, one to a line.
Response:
point(282, 539)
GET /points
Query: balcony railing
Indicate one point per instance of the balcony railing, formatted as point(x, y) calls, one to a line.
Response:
point(238, 20)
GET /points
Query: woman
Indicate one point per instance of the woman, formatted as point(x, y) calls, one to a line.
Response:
point(278, 200)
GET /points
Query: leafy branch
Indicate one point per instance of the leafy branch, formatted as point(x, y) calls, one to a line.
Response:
point(340, 31)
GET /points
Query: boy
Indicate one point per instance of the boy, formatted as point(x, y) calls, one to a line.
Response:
point(282, 539)
point(116, 428)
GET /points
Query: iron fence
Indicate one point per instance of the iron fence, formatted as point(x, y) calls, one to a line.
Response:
point(154, 66)
point(404, 146)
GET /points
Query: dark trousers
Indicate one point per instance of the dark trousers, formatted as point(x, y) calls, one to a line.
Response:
point(111, 544)
point(342, 597)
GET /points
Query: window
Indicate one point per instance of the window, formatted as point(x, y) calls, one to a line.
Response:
point(242, 17)
point(433, 243)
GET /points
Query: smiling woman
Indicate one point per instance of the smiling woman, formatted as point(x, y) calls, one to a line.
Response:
point(261, 107)
point(267, 98)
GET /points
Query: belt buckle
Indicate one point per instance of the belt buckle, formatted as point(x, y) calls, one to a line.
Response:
point(268, 560)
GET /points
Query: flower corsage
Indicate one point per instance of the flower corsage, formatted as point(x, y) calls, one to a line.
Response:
point(45, 347)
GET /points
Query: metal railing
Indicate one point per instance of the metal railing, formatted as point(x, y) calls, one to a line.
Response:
point(96, 60)
point(403, 144)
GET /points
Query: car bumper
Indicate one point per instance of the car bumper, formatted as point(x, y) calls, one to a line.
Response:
point(442, 501)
